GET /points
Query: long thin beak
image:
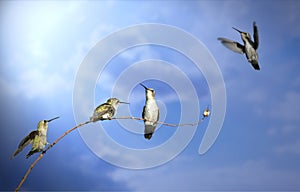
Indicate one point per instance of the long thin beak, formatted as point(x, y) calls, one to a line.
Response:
point(237, 30)
point(124, 102)
point(143, 86)
point(52, 119)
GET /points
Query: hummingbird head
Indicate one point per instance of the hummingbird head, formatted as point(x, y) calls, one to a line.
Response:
point(115, 101)
point(244, 35)
point(44, 123)
point(150, 93)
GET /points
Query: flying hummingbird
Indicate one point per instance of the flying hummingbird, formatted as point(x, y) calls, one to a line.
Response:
point(106, 110)
point(150, 112)
point(38, 138)
point(249, 47)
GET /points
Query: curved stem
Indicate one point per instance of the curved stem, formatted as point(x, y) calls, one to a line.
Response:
point(87, 122)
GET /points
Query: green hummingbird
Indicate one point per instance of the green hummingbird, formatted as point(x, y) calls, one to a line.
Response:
point(106, 110)
point(38, 138)
point(150, 112)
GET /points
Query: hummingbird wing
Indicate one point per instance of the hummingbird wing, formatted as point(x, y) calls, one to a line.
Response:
point(255, 36)
point(148, 128)
point(102, 110)
point(232, 45)
point(26, 141)
point(105, 108)
point(144, 112)
point(150, 125)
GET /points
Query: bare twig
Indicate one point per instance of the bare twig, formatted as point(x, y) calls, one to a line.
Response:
point(160, 122)
point(81, 124)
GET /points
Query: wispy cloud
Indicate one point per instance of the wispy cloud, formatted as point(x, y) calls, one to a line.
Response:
point(285, 109)
point(38, 84)
point(291, 148)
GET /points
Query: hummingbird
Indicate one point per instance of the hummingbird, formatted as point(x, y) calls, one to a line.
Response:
point(106, 110)
point(38, 138)
point(205, 113)
point(249, 47)
point(150, 112)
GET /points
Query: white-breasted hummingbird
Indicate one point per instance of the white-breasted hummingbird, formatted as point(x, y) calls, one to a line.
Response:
point(249, 47)
point(150, 112)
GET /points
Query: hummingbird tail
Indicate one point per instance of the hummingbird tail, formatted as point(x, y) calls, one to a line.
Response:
point(255, 64)
point(32, 152)
point(29, 154)
point(148, 135)
point(149, 130)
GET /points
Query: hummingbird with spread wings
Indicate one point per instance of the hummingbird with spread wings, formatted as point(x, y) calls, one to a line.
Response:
point(249, 48)
point(38, 138)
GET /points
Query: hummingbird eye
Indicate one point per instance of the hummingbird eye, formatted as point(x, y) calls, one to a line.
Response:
point(45, 121)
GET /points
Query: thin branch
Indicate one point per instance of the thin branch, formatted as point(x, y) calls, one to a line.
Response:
point(160, 122)
point(87, 122)
point(43, 153)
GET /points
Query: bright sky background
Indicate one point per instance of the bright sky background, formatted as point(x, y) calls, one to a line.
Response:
point(44, 43)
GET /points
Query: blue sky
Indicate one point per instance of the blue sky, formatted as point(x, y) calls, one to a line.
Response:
point(44, 43)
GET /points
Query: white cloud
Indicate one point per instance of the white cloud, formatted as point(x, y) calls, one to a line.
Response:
point(40, 73)
point(35, 83)
point(37, 50)
point(139, 53)
point(7, 88)
point(39, 84)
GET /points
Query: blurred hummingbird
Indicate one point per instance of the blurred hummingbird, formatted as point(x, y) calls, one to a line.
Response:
point(205, 113)
point(249, 47)
point(38, 138)
point(106, 110)
point(150, 112)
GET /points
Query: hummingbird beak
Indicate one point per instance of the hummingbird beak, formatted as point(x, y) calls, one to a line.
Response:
point(52, 119)
point(237, 30)
point(124, 102)
point(143, 86)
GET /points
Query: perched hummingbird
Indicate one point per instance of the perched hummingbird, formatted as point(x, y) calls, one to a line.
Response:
point(150, 113)
point(106, 110)
point(249, 47)
point(38, 138)
point(206, 113)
